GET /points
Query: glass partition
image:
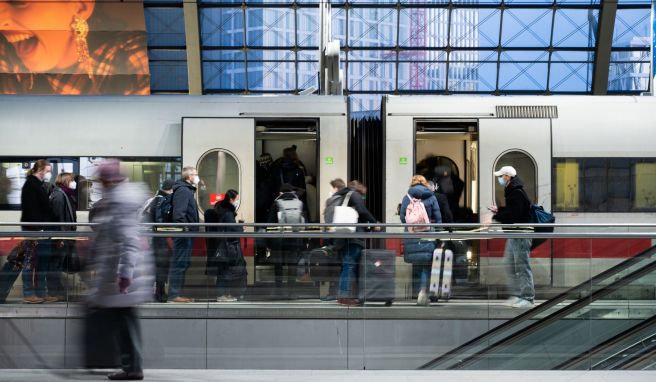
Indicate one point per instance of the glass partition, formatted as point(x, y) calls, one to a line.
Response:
point(337, 300)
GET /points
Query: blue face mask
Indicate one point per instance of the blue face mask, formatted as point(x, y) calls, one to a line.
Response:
point(502, 182)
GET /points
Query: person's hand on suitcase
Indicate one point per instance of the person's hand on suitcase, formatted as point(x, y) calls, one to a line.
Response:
point(123, 285)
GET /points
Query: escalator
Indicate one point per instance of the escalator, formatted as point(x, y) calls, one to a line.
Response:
point(566, 327)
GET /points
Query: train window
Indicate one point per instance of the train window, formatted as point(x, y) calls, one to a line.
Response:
point(526, 171)
point(219, 172)
point(150, 171)
point(13, 172)
point(604, 185)
point(645, 187)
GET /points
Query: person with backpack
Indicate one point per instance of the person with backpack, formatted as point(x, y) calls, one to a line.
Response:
point(158, 210)
point(352, 250)
point(184, 209)
point(419, 206)
point(517, 252)
point(63, 209)
point(35, 207)
point(286, 209)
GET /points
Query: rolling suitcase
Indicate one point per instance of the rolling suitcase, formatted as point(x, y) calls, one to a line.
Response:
point(325, 264)
point(377, 272)
point(441, 270)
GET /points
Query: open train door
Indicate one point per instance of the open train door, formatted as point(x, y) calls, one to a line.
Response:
point(525, 144)
point(223, 151)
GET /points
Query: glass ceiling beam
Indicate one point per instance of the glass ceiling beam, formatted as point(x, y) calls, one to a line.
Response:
point(192, 36)
point(607, 15)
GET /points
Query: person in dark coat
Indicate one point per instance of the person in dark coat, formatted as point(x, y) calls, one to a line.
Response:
point(518, 250)
point(62, 204)
point(419, 252)
point(285, 252)
point(265, 188)
point(352, 252)
point(185, 210)
point(230, 277)
point(161, 245)
point(35, 207)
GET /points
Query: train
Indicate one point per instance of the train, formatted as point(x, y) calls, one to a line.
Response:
point(588, 159)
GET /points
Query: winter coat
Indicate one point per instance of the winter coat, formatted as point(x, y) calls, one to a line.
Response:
point(517, 204)
point(118, 251)
point(35, 206)
point(428, 198)
point(445, 208)
point(287, 244)
point(224, 212)
point(364, 216)
point(434, 215)
point(63, 209)
point(185, 208)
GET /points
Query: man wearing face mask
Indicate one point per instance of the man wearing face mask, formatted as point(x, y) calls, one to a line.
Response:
point(35, 207)
point(185, 210)
point(517, 251)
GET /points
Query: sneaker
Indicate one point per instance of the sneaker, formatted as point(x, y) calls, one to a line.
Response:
point(33, 300)
point(226, 299)
point(523, 304)
point(50, 299)
point(512, 300)
point(349, 301)
point(422, 299)
point(126, 376)
point(181, 300)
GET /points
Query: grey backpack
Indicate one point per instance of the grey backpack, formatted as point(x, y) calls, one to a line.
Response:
point(290, 211)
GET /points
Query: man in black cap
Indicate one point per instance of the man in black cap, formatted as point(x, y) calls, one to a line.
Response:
point(161, 213)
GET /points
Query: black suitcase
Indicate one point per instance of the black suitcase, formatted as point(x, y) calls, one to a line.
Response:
point(8, 275)
point(377, 273)
point(325, 264)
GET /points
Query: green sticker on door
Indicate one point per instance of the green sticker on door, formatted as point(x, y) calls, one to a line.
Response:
point(403, 160)
point(329, 160)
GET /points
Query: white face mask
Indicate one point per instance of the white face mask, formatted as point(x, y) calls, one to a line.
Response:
point(196, 180)
point(47, 177)
point(502, 182)
point(236, 204)
point(72, 185)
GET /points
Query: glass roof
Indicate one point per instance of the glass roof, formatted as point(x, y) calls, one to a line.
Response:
point(409, 46)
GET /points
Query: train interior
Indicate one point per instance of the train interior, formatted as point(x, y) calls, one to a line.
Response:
point(286, 152)
point(446, 154)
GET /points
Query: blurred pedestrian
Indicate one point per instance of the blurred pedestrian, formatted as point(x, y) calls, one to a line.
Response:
point(123, 271)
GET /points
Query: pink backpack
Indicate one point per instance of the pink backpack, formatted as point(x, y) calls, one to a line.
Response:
point(416, 213)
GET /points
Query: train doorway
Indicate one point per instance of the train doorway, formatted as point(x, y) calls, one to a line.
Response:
point(446, 154)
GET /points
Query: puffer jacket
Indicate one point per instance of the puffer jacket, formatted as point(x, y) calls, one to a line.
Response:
point(118, 252)
point(434, 215)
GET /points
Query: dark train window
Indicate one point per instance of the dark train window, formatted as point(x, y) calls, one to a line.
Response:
point(525, 166)
point(604, 184)
point(219, 172)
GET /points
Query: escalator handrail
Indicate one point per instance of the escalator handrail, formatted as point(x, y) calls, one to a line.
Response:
point(544, 306)
point(602, 347)
point(647, 355)
point(561, 313)
point(641, 352)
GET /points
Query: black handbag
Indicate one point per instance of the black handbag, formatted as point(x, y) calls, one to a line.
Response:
point(229, 252)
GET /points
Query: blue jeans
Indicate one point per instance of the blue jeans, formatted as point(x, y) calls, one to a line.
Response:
point(518, 268)
point(350, 270)
point(34, 277)
point(422, 262)
point(179, 264)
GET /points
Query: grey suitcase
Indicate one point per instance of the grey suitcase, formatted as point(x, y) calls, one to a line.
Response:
point(441, 271)
point(377, 272)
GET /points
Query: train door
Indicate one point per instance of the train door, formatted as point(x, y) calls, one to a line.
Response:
point(526, 145)
point(446, 154)
point(223, 151)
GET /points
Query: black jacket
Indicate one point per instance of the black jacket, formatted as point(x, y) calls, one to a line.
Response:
point(63, 209)
point(445, 209)
point(185, 208)
point(364, 216)
point(35, 206)
point(286, 244)
point(224, 212)
point(517, 206)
